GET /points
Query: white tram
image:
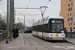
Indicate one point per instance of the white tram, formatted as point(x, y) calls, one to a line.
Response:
point(51, 29)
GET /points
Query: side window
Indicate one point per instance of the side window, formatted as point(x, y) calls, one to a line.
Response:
point(46, 27)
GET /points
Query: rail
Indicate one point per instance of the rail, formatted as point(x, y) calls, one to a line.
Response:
point(70, 34)
point(2, 36)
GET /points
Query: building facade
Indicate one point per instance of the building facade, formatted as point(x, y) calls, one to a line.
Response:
point(68, 13)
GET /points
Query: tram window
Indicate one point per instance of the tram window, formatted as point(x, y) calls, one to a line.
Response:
point(37, 28)
point(57, 27)
point(41, 28)
point(46, 27)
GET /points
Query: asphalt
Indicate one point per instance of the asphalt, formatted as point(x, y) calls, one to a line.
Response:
point(18, 44)
point(71, 40)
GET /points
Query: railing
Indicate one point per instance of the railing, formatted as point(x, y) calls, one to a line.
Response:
point(70, 34)
point(2, 36)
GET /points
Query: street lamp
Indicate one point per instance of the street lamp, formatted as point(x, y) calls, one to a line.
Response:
point(43, 9)
point(7, 20)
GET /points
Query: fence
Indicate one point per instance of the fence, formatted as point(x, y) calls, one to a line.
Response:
point(70, 34)
point(2, 36)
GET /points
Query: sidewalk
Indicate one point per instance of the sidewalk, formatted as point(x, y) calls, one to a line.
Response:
point(11, 44)
point(71, 40)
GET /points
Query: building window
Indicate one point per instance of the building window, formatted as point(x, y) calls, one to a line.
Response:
point(68, 9)
point(74, 23)
point(68, 19)
point(71, 8)
point(68, 5)
point(69, 24)
point(70, 0)
point(71, 3)
point(71, 19)
point(70, 14)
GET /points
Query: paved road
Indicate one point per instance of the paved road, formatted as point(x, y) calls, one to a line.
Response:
point(34, 43)
point(29, 42)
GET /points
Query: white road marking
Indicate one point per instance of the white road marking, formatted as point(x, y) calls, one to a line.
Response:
point(22, 40)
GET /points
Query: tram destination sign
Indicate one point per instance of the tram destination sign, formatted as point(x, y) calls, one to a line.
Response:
point(53, 21)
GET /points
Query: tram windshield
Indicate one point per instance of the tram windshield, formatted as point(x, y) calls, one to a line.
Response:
point(57, 25)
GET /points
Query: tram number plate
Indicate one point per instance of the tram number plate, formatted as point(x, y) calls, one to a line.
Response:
point(57, 35)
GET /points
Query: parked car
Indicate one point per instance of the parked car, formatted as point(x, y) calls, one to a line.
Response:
point(1, 31)
point(28, 31)
point(21, 31)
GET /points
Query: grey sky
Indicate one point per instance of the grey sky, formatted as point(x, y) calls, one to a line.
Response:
point(52, 10)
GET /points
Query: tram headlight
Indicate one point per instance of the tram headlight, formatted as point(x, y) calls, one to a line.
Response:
point(62, 35)
point(51, 35)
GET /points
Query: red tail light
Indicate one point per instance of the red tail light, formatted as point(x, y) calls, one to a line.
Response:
point(51, 38)
point(63, 38)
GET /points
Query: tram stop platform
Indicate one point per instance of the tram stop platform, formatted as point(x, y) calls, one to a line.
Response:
point(71, 40)
point(12, 45)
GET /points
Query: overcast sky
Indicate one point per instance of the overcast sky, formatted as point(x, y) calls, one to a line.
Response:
point(52, 10)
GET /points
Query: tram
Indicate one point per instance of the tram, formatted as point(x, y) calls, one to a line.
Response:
point(49, 28)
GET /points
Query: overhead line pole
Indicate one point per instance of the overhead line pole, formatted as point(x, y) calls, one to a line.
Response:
point(24, 18)
point(11, 17)
point(7, 21)
point(24, 14)
point(24, 22)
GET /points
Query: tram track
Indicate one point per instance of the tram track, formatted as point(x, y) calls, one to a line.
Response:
point(63, 44)
point(29, 42)
point(60, 42)
point(34, 44)
point(37, 42)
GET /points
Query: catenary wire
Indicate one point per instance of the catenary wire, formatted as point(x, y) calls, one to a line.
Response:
point(28, 5)
point(44, 4)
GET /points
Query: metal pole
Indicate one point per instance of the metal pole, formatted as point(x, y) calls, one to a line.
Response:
point(42, 18)
point(43, 23)
point(11, 17)
point(7, 21)
point(24, 22)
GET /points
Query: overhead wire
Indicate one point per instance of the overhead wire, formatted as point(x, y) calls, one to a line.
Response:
point(23, 14)
point(47, 3)
point(28, 5)
point(44, 4)
point(38, 10)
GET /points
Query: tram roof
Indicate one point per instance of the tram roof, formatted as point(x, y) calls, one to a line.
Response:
point(46, 19)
